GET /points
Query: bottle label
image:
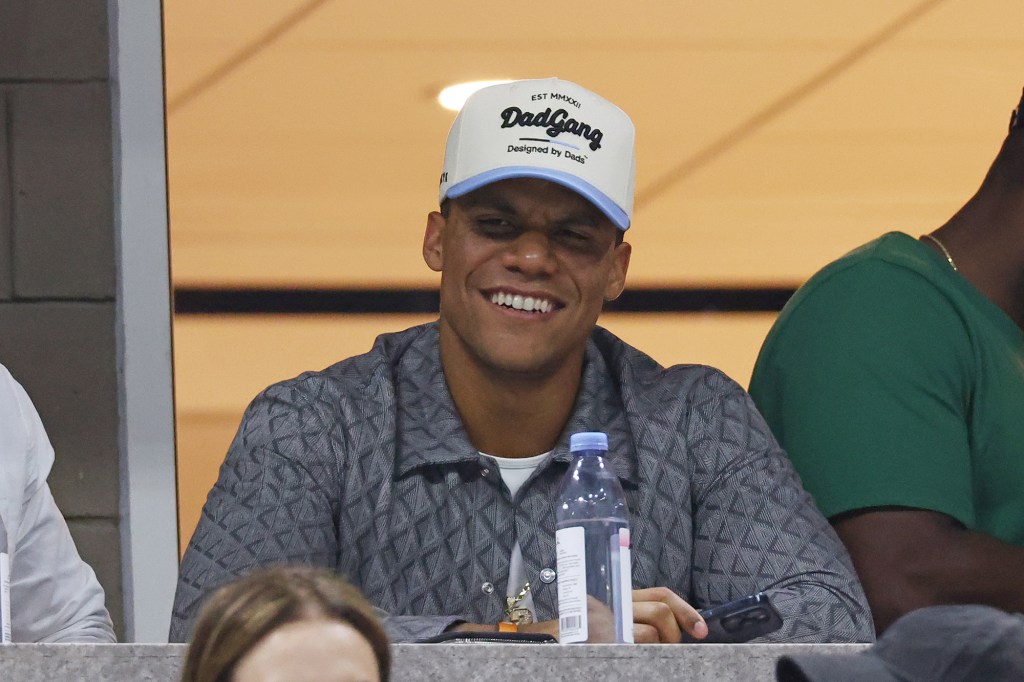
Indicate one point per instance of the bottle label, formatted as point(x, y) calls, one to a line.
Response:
point(5, 598)
point(625, 594)
point(572, 585)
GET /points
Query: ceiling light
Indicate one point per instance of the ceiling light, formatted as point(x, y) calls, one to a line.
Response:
point(454, 96)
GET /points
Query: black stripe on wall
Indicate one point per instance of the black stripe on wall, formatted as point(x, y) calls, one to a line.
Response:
point(219, 301)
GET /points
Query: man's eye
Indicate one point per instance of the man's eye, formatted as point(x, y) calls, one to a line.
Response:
point(495, 226)
point(571, 235)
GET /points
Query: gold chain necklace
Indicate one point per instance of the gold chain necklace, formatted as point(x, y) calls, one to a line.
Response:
point(945, 251)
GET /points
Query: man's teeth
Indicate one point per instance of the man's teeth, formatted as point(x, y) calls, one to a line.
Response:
point(527, 303)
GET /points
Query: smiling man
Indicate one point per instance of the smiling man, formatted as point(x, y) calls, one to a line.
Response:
point(426, 470)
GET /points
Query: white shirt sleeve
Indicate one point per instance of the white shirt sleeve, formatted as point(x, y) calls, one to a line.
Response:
point(55, 596)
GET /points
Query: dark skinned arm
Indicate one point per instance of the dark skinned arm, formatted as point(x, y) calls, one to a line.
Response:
point(911, 558)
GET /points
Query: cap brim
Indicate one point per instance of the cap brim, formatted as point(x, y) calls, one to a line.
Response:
point(585, 189)
point(863, 667)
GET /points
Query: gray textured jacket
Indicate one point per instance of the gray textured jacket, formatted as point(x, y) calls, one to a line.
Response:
point(365, 468)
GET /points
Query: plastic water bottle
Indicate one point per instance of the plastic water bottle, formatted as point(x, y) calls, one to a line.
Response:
point(592, 540)
point(5, 587)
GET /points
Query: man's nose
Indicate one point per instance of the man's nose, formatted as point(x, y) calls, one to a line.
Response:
point(530, 253)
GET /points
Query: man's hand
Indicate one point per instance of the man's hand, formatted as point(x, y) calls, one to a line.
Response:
point(660, 616)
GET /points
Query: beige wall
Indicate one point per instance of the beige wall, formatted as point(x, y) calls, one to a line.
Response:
point(305, 140)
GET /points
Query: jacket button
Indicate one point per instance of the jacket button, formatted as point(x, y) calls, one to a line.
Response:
point(487, 588)
point(485, 472)
point(547, 575)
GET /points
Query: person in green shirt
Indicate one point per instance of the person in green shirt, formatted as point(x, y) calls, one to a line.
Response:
point(895, 380)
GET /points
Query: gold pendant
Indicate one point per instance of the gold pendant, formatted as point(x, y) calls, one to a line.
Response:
point(515, 613)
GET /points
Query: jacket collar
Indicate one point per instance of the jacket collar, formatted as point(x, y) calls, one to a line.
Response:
point(430, 431)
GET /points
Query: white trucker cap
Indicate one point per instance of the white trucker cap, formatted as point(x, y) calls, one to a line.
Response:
point(549, 129)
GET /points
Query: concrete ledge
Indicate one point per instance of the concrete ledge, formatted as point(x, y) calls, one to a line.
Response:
point(91, 662)
point(415, 662)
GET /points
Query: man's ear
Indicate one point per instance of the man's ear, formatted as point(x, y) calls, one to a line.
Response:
point(432, 252)
point(617, 275)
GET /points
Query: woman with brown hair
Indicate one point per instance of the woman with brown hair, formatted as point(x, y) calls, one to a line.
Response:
point(295, 624)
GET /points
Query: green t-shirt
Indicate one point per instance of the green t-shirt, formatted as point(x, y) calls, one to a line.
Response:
point(890, 380)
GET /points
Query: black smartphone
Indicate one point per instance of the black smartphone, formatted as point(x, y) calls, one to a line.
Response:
point(739, 621)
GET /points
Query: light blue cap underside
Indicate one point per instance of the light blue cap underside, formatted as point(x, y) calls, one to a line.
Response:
point(588, 440)
point(573, 182)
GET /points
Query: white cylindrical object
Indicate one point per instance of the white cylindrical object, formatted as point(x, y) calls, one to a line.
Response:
point(5, 587)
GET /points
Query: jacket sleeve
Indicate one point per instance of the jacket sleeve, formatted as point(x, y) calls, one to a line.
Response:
point(276, 501)
point(55, 596)
point(269, 506)
point(757, 529)
point(418, 628)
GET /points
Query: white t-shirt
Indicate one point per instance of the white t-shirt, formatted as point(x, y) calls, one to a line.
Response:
point(55, 596)
point(515, 472)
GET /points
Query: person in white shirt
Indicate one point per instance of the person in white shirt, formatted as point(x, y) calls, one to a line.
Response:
point(54, 595)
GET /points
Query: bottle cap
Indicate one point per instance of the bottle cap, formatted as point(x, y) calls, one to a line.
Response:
point(588, 440)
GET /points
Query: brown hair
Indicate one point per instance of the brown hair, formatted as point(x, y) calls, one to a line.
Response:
point(239, 615)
